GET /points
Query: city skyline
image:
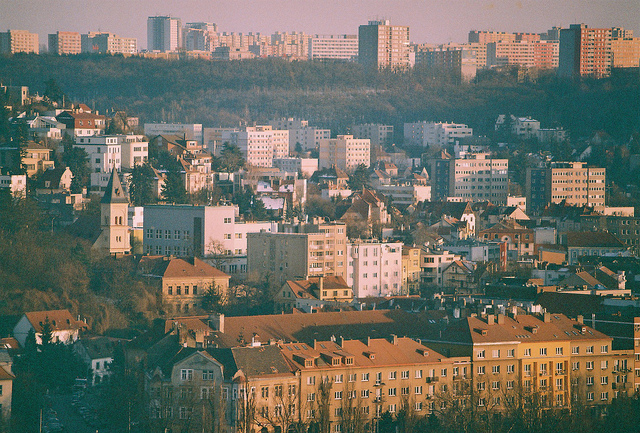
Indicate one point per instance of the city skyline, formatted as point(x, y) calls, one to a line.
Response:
point(430, 21)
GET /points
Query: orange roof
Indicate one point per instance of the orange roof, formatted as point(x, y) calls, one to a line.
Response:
point(59, 320)
point(182, 268)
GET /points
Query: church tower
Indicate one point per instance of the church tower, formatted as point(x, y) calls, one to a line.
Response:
point(114, 208)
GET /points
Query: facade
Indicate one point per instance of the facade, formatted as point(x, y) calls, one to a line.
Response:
point(19, 41)
point(185, 282)
point(300, 133)
point(200, 36)
point(184, 230)
point(584, 244)
point(374, 268)
point(584, 51)
point(313, 250)
point(378, 134)
point(313, 294)
point(97, 355)
point(114, 237)
point(105, 155)
point(435, 133)
point(381, 45)
point(82, 124)
point(261, 144)
point(134, 150)
point(625, 50)
point(570, 182)
point(306, 166)
point(478, 177)
point(333, 47)
point(108, 43)
point(561, 361)
point(164, 34)
point(63, 43)
point(530, 54)
point(433, 262)
point(410, 270)
point(519, 240)
point(15, 183)
point(344, 152)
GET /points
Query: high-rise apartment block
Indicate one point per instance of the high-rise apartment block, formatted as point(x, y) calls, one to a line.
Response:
point(164, 33)
point(530, 54)
point(585, 51)
point(201, 36)
point(374, 268)
point(333, 47)
point(381, 45)
point(261, 144)
point(19, 41)
point(571, 182)
point(435, 133)
point(378, 134)
point(301, 133)
point(308, 250)
point(65, 43)
point(108, 43)
point(625, 49)
point(344, 152)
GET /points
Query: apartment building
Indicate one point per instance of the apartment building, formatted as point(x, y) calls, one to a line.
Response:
point(300, 133)
point(381, 45)
point(625, 50)
point(200, 36)
point(105, 154)
point(19, 41)
point(530, 54)
point(189, 131)
point(570, 182)
point(333, 47)
point(374, 268)
point(65, 43)
point(585, 51)
point(410, 270)
point(108, 43)
point(435, 133)
point(433, 262)
point(164, 33)
point(560, 360)
point(306, 166)
point(476, 177)
point(306, 250)
point(378, 134)
point(213, 231)
point(261, 144)
point(344, 152)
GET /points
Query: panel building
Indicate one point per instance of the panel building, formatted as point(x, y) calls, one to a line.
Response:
point(19, 41)
point(381, 45)
point(584, 51)
point(344, 152)
point(65, 43)
point(261, 144)
point(333, 47)
point(108, 43)
point(164, 33)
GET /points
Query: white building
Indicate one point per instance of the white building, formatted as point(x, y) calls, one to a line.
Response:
point(374, 268)
point(135, 151)
point(301, 133)
point(185, 230)
point(191, 131)
point(344, 152)
point(333, 47)
point(214, 139)
point(261, 144)
point(306, 166)
point(435, 133)
point(433, 262)
point(15, 183)
point(105, 154)
point(64, 328)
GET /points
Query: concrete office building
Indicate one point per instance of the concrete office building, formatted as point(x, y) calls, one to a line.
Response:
point(344, 152)
point(333, 47)
point(19, 41)
point(164, 33)
point(381, 45)
point(65, 43)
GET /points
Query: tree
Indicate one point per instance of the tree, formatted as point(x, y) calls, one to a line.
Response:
point(53, 91)
point(173, 190)
point(141, 185)
point(230, 160)
point(359, 178)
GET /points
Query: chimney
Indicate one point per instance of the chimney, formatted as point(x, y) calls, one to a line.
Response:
point(368, 341)
point(547, 317)
point(500, 319)
point(216, 321)
point(490, 319)
point(341, 341)
point(314, 343)
point(394, 339)
point(580, 319)
point(320, 285)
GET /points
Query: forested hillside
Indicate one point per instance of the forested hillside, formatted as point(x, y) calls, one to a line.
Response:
point(332, 95)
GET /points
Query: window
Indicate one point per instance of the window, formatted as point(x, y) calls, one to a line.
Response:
point(543, 369)
point(604, 380)
point(527, 369)
point(480, 354)
point(338, 395)
point(510, 384)
point(495, 385)
point(559, 350)
point(604, 349)
point(496, 353)
point(404, 390)
point(495, 369)
point(207, 375)
point(265, 392)
point(480, 386)
point(481, 369)
point(392, 392)
point(543, 351)
point(353, 377)
point(604, 396)
point(589, 349)
point(405, 374)
point(575, 350)
point(418, 390)
point(527, 352)
point(365, 377)
point(590, 396)
point(589, 380)
point(338, 378)
point(510, 368)
point(311, 380)
point(575, 366)
point(559, 384)
point(589, 365)
point(392, 375)
point(186, 374)
point(543, 383)
point(443, 372)
point(392, 408)
point(511, 353)
point(311, 396)
point(364, 393)
point(418, 374)
point(604, 365)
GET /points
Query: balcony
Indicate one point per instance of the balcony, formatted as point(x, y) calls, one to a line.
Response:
point(433, 379)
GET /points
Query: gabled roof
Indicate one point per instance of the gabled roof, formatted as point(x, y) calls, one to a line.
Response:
point(58, 319)
point(454, 209)
point(261, 361)
point(304, 289)
point(593, 239)
point(461, 265)
point(53, 175)
point(99, 347)
point(507, 226)
point(114, 192)
point(5, 375)
point(191, 268)
point(582, 278)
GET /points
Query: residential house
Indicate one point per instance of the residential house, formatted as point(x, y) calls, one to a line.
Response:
point(6, 393)
point(97, 354)
point(368, 209)
point(410, 269)
point(64, 328)
point(580, 244)
point(460, 276)
point(313, 294)
point(519, 239)
point(82, 123)
point(55, 180)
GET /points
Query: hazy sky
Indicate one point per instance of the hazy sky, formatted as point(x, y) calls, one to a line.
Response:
point(433, 21)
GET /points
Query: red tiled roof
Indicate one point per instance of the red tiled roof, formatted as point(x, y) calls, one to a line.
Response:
point(182, 268)
point(59, 320)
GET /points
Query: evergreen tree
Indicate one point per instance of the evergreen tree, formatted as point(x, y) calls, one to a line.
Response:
point(231, 159)
point(141, 185)
point(359, 178)
point(173, 190)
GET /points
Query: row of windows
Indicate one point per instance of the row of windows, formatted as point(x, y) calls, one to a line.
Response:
point(168, 234)
point(575, 350)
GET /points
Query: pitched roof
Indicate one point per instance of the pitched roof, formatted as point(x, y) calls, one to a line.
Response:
point(114, 192)
point(52, 175)
point(570, 304)
point(191, 268)
point(593, 239)
point(261, 361)
point(304, 289)
point(5, 375)
point(99, 347)
point(58, 319)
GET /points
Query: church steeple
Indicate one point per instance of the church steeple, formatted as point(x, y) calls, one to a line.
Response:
point(114, 192)
point(114, 209)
